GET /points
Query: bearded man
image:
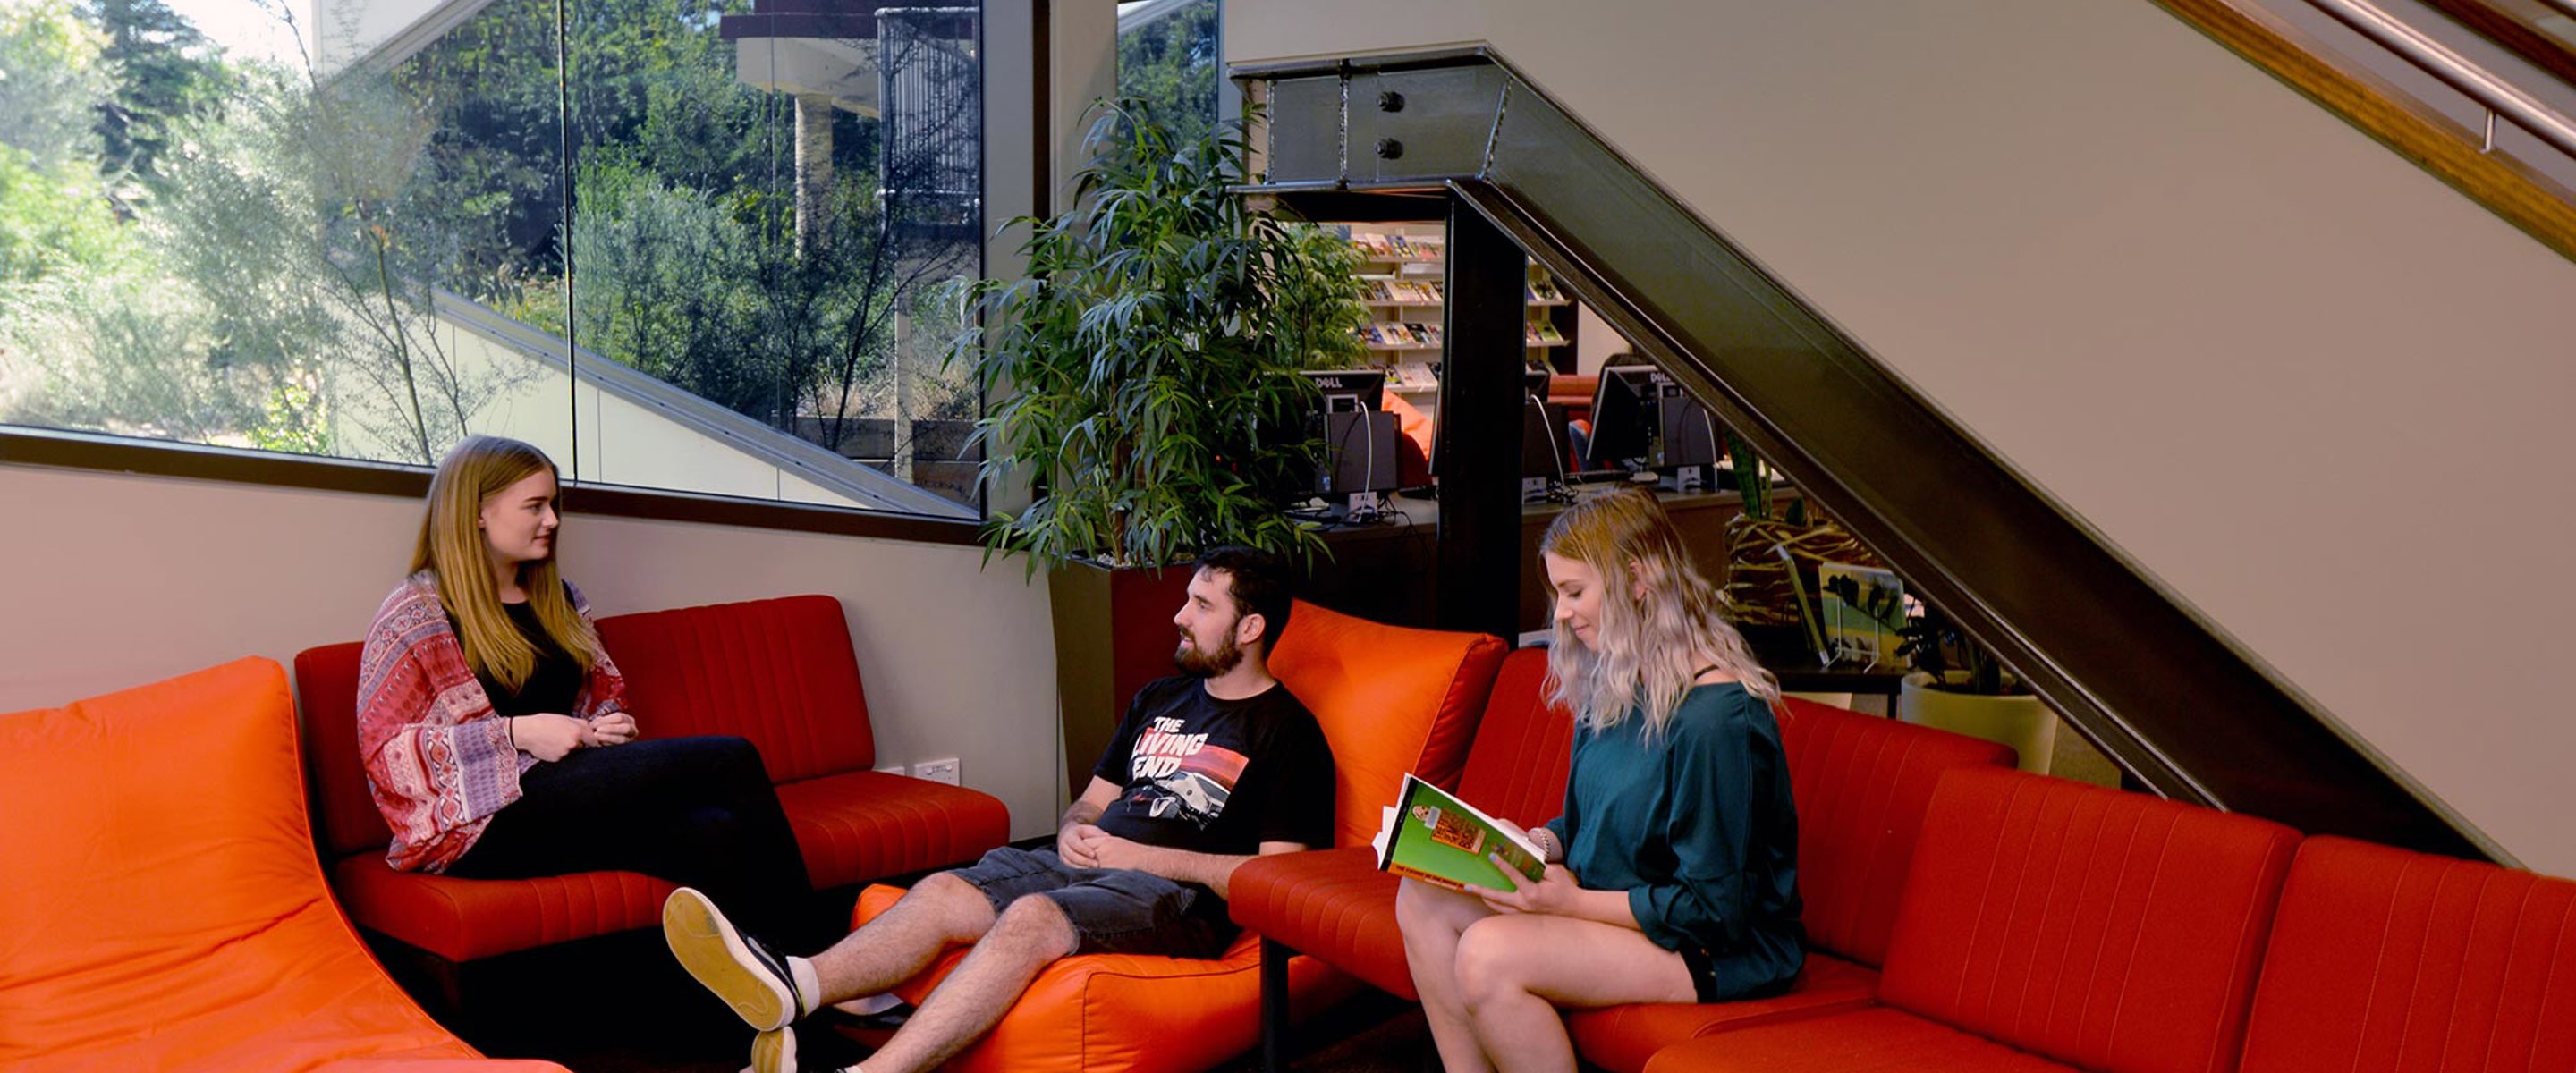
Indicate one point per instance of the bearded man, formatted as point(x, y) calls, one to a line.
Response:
point(1210, 768)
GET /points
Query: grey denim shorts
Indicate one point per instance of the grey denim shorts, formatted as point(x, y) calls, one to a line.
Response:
point(1113, 910)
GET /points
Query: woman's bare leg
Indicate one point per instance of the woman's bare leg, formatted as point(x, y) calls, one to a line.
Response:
point(1432, 920)
point(1515, 971)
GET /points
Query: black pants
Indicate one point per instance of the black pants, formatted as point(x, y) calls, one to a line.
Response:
point(699, 812)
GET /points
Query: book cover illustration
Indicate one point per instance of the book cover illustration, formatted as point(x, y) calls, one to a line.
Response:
point(1438, 839)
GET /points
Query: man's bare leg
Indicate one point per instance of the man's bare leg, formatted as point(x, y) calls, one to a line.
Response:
point(1030, 935)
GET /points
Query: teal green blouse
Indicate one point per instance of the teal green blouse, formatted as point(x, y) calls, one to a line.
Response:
point(1698, 827)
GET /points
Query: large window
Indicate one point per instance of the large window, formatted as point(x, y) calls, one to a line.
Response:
point(1168, 57)
point(725, 255)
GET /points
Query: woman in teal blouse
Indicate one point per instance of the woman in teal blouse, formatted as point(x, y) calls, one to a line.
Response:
point(1674, 869)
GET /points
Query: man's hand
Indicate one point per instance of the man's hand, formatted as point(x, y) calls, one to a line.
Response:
point(548, 736)
point(1554, 892)
point(1111, 851)
point(1074, 843)
point(615, 728)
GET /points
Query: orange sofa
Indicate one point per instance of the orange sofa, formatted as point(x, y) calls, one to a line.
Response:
point(779, 672)
point(1861, 782)
point(163, 909)
point(1390, 700)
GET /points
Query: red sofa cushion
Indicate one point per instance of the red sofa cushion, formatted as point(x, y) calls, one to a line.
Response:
point(2393, 961)
point(2108, 930)
point(1623, 1038)
point(163, 908)
point(1517, 769)
point(779, 672)
point(1123, 1013)
point(1875, 1040)
point(1390, 700)
point(344, 811)
point(1862, 784)
point(862, 825)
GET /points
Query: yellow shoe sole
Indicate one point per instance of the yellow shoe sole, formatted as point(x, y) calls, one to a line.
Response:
point(714, 954)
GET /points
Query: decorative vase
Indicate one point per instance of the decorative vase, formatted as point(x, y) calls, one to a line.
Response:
point(2020, 720)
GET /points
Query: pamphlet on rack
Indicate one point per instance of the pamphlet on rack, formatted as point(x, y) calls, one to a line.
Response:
point(1438, 839)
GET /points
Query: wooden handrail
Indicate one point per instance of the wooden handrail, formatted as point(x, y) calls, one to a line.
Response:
point(2531, 201)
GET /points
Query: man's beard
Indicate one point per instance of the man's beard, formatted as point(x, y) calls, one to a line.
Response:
point(1198, 664)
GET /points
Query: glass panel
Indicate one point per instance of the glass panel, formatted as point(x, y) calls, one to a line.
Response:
point(222, 226)
point(241, 250)
point(776, 214)
point(1167, 56)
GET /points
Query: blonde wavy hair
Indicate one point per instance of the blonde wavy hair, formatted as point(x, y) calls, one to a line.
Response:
point(1660, 622)
point(453, 550)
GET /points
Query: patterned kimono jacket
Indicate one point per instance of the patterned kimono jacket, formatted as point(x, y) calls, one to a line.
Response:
point(439, 760)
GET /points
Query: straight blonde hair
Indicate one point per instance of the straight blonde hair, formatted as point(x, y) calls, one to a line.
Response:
point(453, 549)
point(1660, 618)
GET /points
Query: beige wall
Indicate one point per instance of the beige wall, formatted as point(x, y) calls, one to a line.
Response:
point(111, 581)
point(2315, 392)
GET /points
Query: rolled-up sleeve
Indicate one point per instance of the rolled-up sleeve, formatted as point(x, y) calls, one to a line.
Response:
point(1708, 790)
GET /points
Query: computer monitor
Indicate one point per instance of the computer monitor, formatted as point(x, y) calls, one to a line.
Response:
point(1345, 390)
point(1623, 416)
point(1547, 451)
point(1688, 449)
point(1359, 460)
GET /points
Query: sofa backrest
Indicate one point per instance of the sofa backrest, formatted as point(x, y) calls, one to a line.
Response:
point(344, 810)
point(779, 672)
point(2107, 930)
point(2388, 960)
point(1390, 699)
point(1517, 768)
point(152, 834)
point(1862, 784)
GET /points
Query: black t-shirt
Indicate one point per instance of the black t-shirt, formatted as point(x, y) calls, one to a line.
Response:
point(1218, 776)
point(552, 687)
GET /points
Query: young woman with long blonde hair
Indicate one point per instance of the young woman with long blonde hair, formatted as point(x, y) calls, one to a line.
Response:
point(494, 728)
point(1673, 871)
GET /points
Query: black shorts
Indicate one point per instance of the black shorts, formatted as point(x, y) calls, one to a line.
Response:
point(1113, 910)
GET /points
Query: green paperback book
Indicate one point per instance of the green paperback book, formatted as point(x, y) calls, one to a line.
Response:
point(1446, 842)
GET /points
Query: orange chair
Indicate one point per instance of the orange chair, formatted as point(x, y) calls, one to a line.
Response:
point(164, 909)
point(1390, 700)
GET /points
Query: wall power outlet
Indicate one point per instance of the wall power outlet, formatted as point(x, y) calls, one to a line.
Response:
point(937, 770)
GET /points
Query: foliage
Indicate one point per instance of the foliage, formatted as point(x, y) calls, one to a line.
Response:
point(165, 74)
point(53, 218)
point(1172, 65)
point(1145, 358)
point(52, 82)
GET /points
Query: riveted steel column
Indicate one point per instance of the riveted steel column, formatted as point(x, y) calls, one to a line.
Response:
point(1480, 429)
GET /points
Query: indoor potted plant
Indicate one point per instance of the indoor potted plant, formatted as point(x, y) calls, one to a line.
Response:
point(1957, 685)
point(1140, 382)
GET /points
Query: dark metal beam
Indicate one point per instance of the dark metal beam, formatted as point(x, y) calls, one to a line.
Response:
point(1479, 429)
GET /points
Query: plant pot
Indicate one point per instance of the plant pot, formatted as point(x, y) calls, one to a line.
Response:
point(1113, 634)
point(2022, 721)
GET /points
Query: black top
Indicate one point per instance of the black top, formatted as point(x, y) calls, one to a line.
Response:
point(1697, 825)
point(552, 687)
point(1218, 776)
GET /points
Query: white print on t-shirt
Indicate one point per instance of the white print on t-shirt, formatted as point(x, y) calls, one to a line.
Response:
point(1185, 778)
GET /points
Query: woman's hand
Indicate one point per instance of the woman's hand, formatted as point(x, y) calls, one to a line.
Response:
point(1554, 892)
point(548, 736)
point(615, 728)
